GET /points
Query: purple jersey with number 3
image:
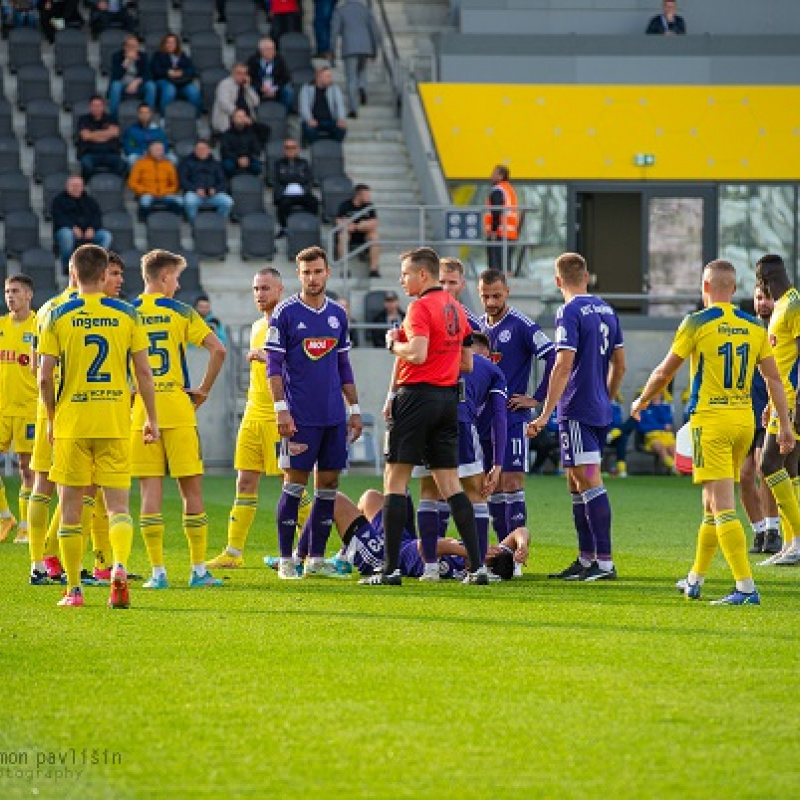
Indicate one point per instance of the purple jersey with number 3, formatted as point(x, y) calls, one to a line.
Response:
point(311, 340)
point(588, 326)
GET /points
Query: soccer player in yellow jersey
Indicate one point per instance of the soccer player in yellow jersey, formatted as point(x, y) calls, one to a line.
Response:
point(780, 470)
point(170, 326)
point(258, 440)
point(94, 338)
point(725, 345)
point(17, 396)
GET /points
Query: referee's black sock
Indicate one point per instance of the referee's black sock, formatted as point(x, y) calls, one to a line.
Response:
point(464, 518)
point(394, 520)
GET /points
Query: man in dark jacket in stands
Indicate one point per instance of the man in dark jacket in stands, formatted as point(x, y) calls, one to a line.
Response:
point(241, 146)
point(291, 185)
point(99, 144)
point(203, 180)
point(269, 75)
point(77, 220)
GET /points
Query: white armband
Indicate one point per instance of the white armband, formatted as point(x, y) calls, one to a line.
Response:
point(355, 409)
point(280, 405)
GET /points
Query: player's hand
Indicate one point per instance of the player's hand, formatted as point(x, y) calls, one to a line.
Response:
point(50, 431)
point(490, 481)
point(198, 396)
point(766, 415)
point(637, 406)
point(257, 355)
point(286, 426)
point(387, 407)
point(356, 426)
point(537, 426)
point(150, 432)
point(518, 402)
point(786, 441)
point(521, 554)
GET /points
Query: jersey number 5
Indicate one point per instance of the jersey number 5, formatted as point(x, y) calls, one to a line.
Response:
point(161, 353)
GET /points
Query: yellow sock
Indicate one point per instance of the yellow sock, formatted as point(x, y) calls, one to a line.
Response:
point(304, 510)
point(37, 525)
point(195, 526)
point(622, 467)
point(24, 499)
point(706, 546)
point(733, 543)
point(3, 500)
point(87, 512)
point(100, 541)
point(152, 527)
point(669, 462)
point(51, 540)
point(783, 491)
point(120, 532)
point(70, 541)
point(241, 519)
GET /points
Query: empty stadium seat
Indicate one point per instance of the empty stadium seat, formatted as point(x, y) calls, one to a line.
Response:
point(120, 225)
point(15, 192)
point(69, 49)
point(327, 159)
point(209, 78)
point(127, 112)
point(22, 232)
point(153, 19)
point(110, 41)
point(272, 152)
point(40, 264)
point(9, 153)
point(163, 231)
point(107, 189)
point(248, 195)
point(245, 45)
point(78, 110)
point(33, 83)
point(41, 119)
point(52, 185)
point(180, 121)
point(6, 117)
point(3, 267)
point(258, 236)
point(196, 17)
point(275, 115)
point(183, 148)
point(206, 51)
point(49, 155)
point(240, 17)
point(210, 235)
point(24, 48)
point(335, 190)
point(80, 83)
point(302, 230)
point(296, 51)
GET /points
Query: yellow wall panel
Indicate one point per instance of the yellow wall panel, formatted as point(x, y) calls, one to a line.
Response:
point(557, 132)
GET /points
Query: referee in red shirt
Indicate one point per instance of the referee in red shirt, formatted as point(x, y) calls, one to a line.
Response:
point(432, 349)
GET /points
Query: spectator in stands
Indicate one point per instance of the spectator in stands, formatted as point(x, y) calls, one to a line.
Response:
point(269, 75)
point(321, 108)
point(362, 230)
point(220, 4)
point(656, 428)
point(56, 15)
point(105, 14)
point(501, 220)
point(233, 92)
point(355, 24)
point(240, 146)
point(154, 181)
point(291, 185)
point(130, 76)
point(285, 16)
point(77, 220)
point(323, 17)
point(668, 22)
point(202, 305)
point(174, 73)
point(136, 138)
point(390, 316)
point(203, 181)
point(345, 304)
point(20, 13)
point(99, 144)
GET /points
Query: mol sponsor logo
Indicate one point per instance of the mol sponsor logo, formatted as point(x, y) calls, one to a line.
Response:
point(318, 346)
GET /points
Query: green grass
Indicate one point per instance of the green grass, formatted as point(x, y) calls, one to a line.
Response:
point(531, 688)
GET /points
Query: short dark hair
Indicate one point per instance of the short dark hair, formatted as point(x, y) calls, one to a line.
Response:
point(311, 254)
point(97, 97)
point(501, 563)
point(493, 276)
point(360, 187)
point(144, 105)
point(154, 262)
point(21, 277)
point(422, 258)
point(90, 262)
point(115, 258)
point(479, 337)
point(503, 170)
point(201, 298)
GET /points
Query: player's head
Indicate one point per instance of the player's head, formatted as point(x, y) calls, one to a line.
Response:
point(267, 289)
point(481, 344)
point(500, 560)
point(500, 173)
point(90, 263)
point(161, 271)
point(719, 282)
point(771, 275)
point(114, 275)
point(571, 272)
point(493, 291)
point(763, 303)
point(313, 271)
point(451, 275)
point(419, 270)
point(19, 292)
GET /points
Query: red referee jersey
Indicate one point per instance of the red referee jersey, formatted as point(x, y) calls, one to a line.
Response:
point(443, 322)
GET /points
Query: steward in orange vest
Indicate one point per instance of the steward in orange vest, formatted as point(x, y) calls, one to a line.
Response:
point(501, 218)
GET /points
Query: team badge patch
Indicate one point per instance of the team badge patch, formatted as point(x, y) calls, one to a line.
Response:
point(295, 448)
point(333, 322)
point(318, 346)
point(505, 336)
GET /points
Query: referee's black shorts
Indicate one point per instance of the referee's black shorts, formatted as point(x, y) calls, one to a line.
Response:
point(423, 428)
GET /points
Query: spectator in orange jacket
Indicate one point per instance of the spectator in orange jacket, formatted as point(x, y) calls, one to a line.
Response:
point(154, 181)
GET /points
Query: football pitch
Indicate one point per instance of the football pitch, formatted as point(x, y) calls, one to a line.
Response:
point(323, 689)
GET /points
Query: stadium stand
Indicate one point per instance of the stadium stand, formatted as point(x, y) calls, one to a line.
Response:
point(42, 118)
point(15, 192)
point(21, 232)
point(302, 230)
point(248, 196)
point(163, 231)
point(210, 235)
point(69, 49)
point(258, 237)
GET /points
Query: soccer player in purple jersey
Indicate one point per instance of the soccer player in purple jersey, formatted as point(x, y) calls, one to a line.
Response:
point(515, 341)
point(309, 372)
point(590, 363)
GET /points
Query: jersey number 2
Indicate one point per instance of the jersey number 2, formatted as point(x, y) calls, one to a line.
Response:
point(93, 374)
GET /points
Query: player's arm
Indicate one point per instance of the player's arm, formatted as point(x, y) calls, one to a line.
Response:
point(616, 371)
point(519, 541)
point(555, 388)
point(286, 426)
point(415, 350)
point(144, 380)
point(47, 390)
point(447, 547)
point(498, 402)
point(778, 400)
point(465, 365)
point(346, 376)
point(390, 395)
point(656, 383)
point(216, 358)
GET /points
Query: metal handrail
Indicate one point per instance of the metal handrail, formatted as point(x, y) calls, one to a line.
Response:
point(391, 56)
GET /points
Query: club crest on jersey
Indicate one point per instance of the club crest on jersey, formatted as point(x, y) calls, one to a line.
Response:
point(505, 336)
point(318, 346)
point(333, 322)
point(23, 359)
point(273, 335)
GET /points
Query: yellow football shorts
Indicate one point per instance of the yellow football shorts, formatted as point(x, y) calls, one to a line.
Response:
point(176, 453)
point(42, 457)
point(17, 430)
point(719, 448)
point(84, 462)
point(257, 446)
point(666, 438)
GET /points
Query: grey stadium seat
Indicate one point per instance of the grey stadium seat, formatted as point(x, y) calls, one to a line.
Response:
point(69, 49)
point(190, 277)
point(302, 230)
point(80, 83)
point(275, 115)
point(335, 190)
point(180, 121)
point(6, 117)
point(127, 112)
point(245, 45)
point(22, 232)
point(153, 19)
point(41, 119)
point(15, 192)
point(40, 264)
point(9, 153)
point(327, 159)
point(272, 152)
point(184, 148)
point(248, 195)
point(108, 190)
point(110, 41)
point(163, 231)
point(33, 83)
point(209, 78)
point(3, 267)
point(206, 51)
point(24, 48)
point(78, 110)
point(210, 235)
point(258, 236)
point(296, 51)
point(240, 18)
point(52, 185)
point(120, 225)
point(196, 17)
point(49, 155)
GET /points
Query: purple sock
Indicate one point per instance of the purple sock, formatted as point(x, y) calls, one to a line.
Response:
point(497, 510)
point(428, 525)
point(598, 515)
point(410, 515)
point(321, 521)
point(444, 516)
point(482, 519)
point(586, 546)
point(304, 542)
point(516, 513)
point(286, 517)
